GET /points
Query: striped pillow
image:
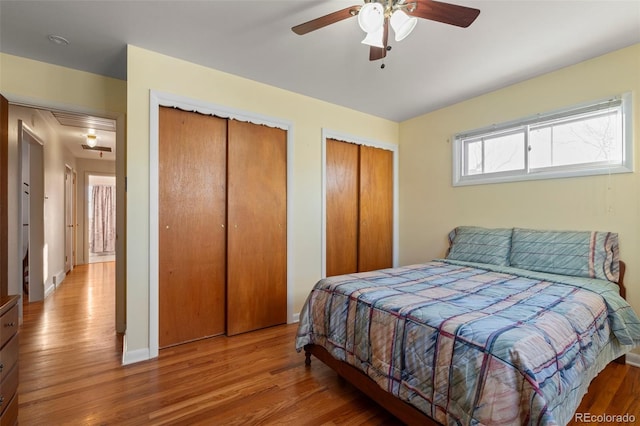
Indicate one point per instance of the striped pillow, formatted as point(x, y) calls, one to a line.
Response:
point(480, 245)
point(581, 254)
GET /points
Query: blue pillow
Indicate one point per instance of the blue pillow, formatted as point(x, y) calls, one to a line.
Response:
point(480, 245)
point(577, 253)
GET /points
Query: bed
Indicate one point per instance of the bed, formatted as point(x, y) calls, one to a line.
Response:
point(509, 328)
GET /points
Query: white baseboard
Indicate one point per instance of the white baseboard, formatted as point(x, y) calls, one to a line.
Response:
point(59, 278)
point(49, 288)
point(131, 357)
point(54, 283)
point(296, 318)
point(633, 358)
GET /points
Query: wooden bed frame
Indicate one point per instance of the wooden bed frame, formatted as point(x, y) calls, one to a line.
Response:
point(405, 412)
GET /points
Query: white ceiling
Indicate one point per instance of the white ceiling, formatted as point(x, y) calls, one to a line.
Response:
point(436, 66)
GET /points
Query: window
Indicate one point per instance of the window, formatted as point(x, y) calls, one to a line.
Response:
point(585, 140)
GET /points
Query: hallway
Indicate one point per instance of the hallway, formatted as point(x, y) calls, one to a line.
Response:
point(65, 340)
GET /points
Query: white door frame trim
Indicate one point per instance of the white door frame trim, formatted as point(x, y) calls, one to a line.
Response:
point(156, 100)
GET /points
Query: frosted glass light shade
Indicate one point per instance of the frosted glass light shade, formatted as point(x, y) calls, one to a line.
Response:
point(402, 24)
point(371, 17)
point(92, 140)
point(375, 38)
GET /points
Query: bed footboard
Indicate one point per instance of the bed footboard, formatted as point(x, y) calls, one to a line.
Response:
point(400, 409)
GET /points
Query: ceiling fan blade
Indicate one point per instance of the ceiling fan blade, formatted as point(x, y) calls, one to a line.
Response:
point(325, 20)
point(376, 53)
point(447, 13)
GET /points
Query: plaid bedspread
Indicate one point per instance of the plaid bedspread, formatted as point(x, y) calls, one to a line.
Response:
point(470, 345)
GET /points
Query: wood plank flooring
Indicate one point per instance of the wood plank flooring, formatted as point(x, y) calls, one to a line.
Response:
point(71, 373)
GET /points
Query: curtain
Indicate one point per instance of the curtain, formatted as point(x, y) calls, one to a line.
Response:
point(102, 237)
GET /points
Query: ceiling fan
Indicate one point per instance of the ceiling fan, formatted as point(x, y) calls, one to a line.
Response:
point(375, 15)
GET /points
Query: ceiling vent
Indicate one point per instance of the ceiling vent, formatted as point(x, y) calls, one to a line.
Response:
point(85, 121)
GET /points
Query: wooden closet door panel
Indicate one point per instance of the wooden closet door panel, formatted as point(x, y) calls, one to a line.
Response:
point(342, 207)
point(257, 218)
point(192, 200)
point(375, 242)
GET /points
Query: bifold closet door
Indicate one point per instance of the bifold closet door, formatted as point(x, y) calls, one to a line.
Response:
point(257, 227)
point(342, 204)
point(375, 242)
point(192, 200)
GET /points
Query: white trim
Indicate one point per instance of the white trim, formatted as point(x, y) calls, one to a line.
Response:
point(633, 359)
point(48, 290)
point(157, 99)
point(26, 101)
point(60, 276)
point(331, 134)
point(131, 357)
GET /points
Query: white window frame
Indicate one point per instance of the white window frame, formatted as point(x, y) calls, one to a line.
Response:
point(625, 102)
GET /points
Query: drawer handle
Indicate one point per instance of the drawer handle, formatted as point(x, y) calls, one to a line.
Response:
point(10, 324)
point(1, 367)
point(1, 400)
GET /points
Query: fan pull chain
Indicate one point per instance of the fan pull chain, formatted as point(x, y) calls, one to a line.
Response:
point(383, 64)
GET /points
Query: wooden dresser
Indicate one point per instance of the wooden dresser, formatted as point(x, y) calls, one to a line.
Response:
point(9, 360)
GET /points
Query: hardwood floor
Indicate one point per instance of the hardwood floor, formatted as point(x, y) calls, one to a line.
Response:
point(71, 373)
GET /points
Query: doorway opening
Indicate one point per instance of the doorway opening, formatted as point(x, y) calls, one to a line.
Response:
point(33, 246)
point(101, 218)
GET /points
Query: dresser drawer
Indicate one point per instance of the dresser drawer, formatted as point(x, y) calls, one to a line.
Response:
point(8, 325)
point(8, 356)
point(10, 415)
point(8, 388)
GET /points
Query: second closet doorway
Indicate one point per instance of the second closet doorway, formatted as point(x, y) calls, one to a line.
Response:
point(359, 206)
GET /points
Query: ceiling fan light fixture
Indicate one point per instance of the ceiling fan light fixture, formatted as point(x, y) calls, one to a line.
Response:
point(92, 140)
point(375, 39)
point(402, 24)
point(371, 17)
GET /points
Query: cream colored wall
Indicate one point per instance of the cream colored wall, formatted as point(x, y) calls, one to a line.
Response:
point(148, 70)
point(430, 207)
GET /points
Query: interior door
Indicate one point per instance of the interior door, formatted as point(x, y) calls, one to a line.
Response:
point(257, 219)
point(342, 206)
point(192, 198)
point(375, 242)
point(4, 179)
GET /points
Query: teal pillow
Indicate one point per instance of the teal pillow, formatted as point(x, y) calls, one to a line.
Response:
point(480, 245)
point(577, 253)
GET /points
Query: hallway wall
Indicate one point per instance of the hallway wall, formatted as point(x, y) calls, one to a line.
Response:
point(56, 155)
